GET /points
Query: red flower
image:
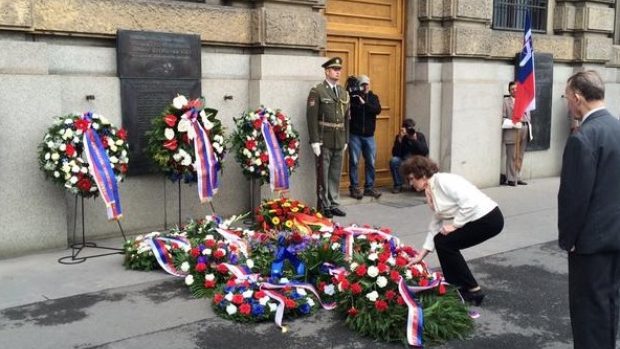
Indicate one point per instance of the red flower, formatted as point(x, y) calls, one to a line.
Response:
point(296, 238)
point(257, 124)
point(390, 294)
point(218, 298)
point(195, 252)
point(201, 267)
point(381, 305)
point(259, 218)
point(360, 270)
point(230, 283)
point(290, 162)
point(409, 250)
point(401, 261)
point(221, 268)
point(250, 144)
point(209, 284)
point(441, 289)
point(264, 157)
point(423, 282)
point(123, 168)
point(352, 312)
point(170, 120)
point(210, 243)
point(171, 144)
point(218, 254)
point(245, 309)
point(395, 276)
point(104, 142)
point(400, 300)
point(84, 184)
point(122, 134)
point(384, 256)
point(282, 136)
point(322, 285)
point(383, 268)
point(356, 288)
point(344, 284)
point(185, 138)
point(82, 124)
point(237, 299)
point(70, 150)
point(292, 144)
point(259, 294)
point(290, 304)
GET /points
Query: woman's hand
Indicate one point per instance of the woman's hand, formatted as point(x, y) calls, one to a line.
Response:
point(418, 258)
point(447, 229)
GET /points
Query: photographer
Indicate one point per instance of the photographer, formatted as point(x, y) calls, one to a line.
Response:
point(365, 107)
point(407, 143)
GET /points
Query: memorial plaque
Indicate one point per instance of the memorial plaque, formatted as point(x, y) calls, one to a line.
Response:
point(153, 68)
point(541, 116)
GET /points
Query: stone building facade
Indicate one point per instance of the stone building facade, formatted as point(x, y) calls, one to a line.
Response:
point(456, 68)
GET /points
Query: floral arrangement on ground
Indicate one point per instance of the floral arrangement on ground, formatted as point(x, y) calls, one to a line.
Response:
point(279, 271)
point(171, 138)
point(62, 157)
point(250, 146)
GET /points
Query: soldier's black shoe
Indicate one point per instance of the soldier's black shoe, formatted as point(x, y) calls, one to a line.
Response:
point(337, 212)
point(327, 213)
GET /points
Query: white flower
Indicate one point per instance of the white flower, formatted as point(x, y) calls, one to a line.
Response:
point(251, 168)
point(179, 102)
point(169, 133)
point(373, 271)
point(311, 302)
point(272, 307)
point(301, 291)
point(247, 294)
point(56, 174)
point(47, 156)
point(353, 266)
point(382, 281)
point(372, 296)
point(208, 124)
point(249, 263)
point(112, 147)
point(206, 252)
point(327, 235)
point(50, 144)
point(335, 246)
point(75, 168)
point(329, 290)
point(263, 173)
point(373, 246)
point(68, 134)
point(113, 159)
point(95, 125)
point(229, 296)
point(55, 156)
point(189, 280)
point(184, 125)
point(408, 274)
point(391, 261)
point(218, 138)
point(104, 120)
point(222, 250)
point(263, 300)
point(231, 309)
point(209, 237)
point(372, 257)
point(73, 180)
point(120, 142)
point(258, 162)
point(185, 267)
point(284, 281)
point(210, 277)
point(84, 170)
point(63, 147)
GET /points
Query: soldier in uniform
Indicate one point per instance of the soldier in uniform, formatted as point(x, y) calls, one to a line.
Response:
point(328, 128)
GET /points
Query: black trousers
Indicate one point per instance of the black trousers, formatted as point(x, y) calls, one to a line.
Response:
point(593, 293)
point(448, 247)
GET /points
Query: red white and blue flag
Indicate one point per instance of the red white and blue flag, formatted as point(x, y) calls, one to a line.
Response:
point(525, 99)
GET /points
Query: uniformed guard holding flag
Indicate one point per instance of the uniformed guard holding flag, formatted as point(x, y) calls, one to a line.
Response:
point(328, 128)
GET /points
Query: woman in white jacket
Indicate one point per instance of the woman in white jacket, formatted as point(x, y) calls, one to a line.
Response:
point(463, 216)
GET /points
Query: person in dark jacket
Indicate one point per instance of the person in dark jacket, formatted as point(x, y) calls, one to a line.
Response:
point(365, 107)
point(407, 143)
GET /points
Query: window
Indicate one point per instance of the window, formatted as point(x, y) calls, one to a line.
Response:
point(510, 14)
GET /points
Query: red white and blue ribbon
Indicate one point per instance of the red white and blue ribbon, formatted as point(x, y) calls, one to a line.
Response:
point(352, 232)
point(163, 255)
point(234, 240)
point(101, 170)
point(241, 274)
point(280, 309)
point(278, 171)
point(415, 315)
point(305, 286)
point(206, 161)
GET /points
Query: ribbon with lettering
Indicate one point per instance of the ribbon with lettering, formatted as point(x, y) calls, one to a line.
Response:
point(206, 162)
point(278, 171)
point(163, 255)
point(101, 169)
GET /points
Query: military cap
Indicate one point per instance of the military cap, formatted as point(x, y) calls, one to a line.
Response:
point(335, 62)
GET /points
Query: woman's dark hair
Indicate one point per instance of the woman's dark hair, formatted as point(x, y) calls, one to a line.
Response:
point(419, 166)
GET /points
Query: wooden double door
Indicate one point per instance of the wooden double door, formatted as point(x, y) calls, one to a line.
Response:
point(368, 35)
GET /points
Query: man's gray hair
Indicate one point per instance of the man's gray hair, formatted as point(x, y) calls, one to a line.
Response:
point(588, 84)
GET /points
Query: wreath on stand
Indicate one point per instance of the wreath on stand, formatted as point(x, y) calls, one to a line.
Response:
point(170, 142)
point(251, 148)
point(62, 158)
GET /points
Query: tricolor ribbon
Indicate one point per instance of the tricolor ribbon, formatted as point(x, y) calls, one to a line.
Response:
point(234, 240)
point(415, 315)
point(280, 309)
point(163, 255)
point(240, 273)
point(278, 171)
point(305, 286)
point(101, 170)
point(352, 232)
point(206, 161)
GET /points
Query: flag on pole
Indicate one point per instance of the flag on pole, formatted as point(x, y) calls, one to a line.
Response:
point(525, 99)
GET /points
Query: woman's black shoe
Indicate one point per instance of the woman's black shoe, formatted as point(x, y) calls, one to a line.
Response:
point(474, 297)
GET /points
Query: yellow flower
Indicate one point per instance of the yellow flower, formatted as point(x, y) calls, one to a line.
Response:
point(272, 211)
point(275, 220)
point(286, 204)
point(289, 223)
point(319, 215)
point(294, 209)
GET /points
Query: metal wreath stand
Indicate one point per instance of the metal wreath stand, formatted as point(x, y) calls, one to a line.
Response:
point(78, 247)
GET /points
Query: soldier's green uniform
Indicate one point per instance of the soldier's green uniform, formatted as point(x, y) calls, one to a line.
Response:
point(328, 123)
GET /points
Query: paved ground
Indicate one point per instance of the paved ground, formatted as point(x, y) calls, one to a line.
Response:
point(98, 304)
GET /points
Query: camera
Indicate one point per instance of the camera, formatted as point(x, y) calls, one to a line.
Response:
point(353, 86)
point(410, 130)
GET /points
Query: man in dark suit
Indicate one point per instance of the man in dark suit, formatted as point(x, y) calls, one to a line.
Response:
point(328, 130)
point(589, 214)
